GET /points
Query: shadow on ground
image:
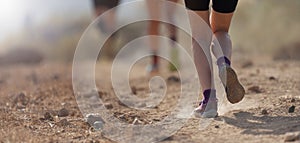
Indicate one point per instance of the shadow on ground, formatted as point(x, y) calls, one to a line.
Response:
point(258, 125)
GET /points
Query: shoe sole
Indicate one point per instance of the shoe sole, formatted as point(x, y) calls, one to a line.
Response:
point(209, 114)
point(235, 92)
point(206, 114)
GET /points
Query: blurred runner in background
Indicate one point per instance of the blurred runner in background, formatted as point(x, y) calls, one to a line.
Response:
point(105, 25)
point(154, 27)
point(101, 6)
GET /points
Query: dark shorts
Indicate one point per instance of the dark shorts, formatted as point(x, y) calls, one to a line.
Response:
point(222, 6)
point(106, 3)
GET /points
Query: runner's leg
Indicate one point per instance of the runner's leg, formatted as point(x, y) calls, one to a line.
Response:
point(153, 29)
point(220, 22)
point(205, 71)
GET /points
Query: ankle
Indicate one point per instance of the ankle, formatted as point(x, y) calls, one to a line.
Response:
point(209, 94)
point(223, 61)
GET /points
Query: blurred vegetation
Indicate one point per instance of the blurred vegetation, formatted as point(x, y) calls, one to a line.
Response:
point(263, 26)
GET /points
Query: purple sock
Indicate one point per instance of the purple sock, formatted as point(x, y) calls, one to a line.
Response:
point(223, 60)
point(209, 93)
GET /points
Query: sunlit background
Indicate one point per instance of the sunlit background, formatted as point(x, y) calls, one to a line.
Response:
point(54, 27)
point(17, 15)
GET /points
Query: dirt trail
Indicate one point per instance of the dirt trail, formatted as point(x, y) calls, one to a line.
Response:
point(37, 105)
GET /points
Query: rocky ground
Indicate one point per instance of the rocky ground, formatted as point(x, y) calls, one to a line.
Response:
point(38, 105)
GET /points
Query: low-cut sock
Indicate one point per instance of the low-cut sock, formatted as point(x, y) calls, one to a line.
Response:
point(208, 94)
point(223, 60)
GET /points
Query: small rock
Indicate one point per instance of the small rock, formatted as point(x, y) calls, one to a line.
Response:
point(264, 112)
point(95, 121)
point(173, 79)
point(108, 106)
point(98, 125)
point(134, 90)
point(291, 137)
point(136, 121)
point(21, 107)
point(255, 89)
point(61, 131)
point(63, 112)
point(91, 119)
point(63, 122)
point(77, 137)
point(272, 78)
point(50, 124)
point(292, 109)
point(20, 99)
point(293, 100)
point(48, 116)
point(101, 94)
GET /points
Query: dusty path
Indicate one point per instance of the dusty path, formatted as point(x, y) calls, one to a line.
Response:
point(32, 99)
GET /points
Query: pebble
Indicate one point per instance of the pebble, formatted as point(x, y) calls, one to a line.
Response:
point(173, 79)
point(293, 100)
point(134, 90)
point(51, 124)
point(272, 78)
point(291, 137)
point(63, 122)
point(136, 121)
point(101, 94)
point(292, 109)
point(95, 121)
point(91, 119)
point(98, 125)
point(255, 89)
point(264, 112)
point(21, 99)
point(63, 112)
point(108, 106)
point(48, 116)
